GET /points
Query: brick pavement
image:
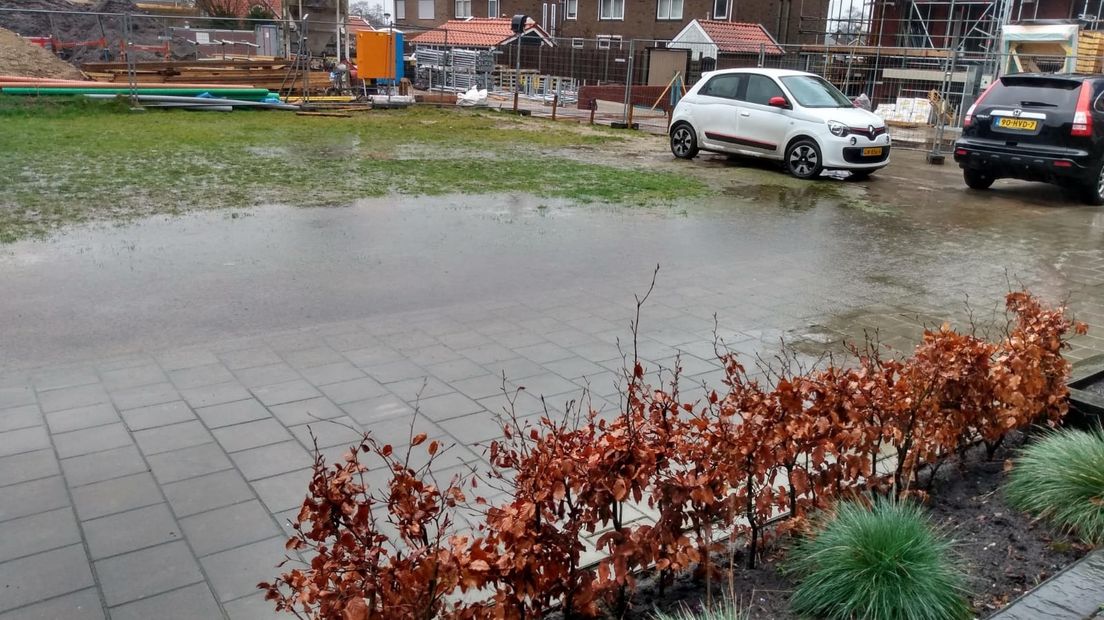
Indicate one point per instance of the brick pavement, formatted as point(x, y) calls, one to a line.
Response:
point(159, 485)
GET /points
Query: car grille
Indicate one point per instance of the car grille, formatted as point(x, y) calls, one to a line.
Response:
point(865, 131)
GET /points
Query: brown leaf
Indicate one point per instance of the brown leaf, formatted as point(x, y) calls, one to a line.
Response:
point(433, 445)
point(356, 609)
point(418, 439)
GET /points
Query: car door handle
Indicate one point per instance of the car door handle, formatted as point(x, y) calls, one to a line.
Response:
point(745, 113)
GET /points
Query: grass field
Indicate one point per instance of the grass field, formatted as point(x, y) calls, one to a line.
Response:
point(75, 161)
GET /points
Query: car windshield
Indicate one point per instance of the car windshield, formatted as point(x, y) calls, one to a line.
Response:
point(815, 92)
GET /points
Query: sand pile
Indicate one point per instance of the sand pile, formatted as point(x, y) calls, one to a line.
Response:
point(19, 57)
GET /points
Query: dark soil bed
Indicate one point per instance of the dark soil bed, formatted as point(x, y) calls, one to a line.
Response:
point(1003, 552)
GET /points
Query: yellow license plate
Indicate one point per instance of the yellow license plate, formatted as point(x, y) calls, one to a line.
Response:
point(872, 151)
point(1020, 124)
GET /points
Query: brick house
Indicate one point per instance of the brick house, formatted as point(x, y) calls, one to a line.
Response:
point(620, 20)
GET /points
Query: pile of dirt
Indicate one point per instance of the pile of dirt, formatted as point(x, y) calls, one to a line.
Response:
point(24, 59)
point(78, 22)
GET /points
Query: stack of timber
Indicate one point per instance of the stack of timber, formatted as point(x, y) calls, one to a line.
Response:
point(1090, 49)
point(270, 73)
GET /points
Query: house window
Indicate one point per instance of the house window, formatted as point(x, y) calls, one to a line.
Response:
point(720, 9)
point(463, 8)
point(669, 9)
point(577, 43)
point(400, 10)
point(571, 9)
point(492, 8)
point(611, 9)
point(606, 41)
point(425, 9)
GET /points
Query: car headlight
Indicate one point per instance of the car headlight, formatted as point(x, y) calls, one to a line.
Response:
point(837, 128)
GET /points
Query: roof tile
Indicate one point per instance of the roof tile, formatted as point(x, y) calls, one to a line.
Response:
point(474, 32)
point(739, 37)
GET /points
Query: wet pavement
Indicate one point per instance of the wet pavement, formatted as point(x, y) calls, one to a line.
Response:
point(157, 378)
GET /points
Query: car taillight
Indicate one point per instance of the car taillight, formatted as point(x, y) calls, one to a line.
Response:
point(1082, 117)
point(969, 118)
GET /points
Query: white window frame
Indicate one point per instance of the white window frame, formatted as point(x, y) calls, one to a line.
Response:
point(727, 7)
point(571, 9)
point(422, 12)
point(613, 16)
point(400, 10)
point(577, 43)
point(462, 8)
point(493, 8)
point(606, 41)
point(670, 14)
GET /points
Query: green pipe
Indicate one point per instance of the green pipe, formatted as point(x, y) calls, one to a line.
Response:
point(237, 93)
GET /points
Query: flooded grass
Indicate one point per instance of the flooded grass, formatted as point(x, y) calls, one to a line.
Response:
point(78, 161)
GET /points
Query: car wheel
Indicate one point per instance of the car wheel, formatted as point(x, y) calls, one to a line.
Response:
point(803, 159)
point(1093, 193)
point(684, 143)
point(976, 179)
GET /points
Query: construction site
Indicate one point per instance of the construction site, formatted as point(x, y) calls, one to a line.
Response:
point(917, 63)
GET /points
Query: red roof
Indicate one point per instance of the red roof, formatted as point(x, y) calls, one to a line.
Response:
point(740, 38)
point(474, 32)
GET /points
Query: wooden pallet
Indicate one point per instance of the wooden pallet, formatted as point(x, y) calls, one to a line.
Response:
point(1090, 51)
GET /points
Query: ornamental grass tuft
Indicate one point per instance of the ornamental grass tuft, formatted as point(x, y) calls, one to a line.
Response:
point(726, 610)
point(879, 562)
point(1060, 478)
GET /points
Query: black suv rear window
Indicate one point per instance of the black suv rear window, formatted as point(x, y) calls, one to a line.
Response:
point(1034, 92)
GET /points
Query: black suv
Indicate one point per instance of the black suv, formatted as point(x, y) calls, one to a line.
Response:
point(1037, 127)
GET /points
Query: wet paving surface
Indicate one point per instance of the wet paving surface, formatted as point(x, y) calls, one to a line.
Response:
point(157, 378)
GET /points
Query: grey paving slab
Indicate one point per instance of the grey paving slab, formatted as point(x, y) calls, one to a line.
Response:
point(188, 462)
point(134, 376)
point(102, 466)
point(217, 394)
point(251, 434)
point(28, 498)
point(285, 491)
point(197, 376)
point(81, 417)
point(447, 406)
point(43, 576)
point(548, 385)
point(147, 572)
point(235, 412)
point(63, 377)
point(130, 531)
point(70, 397)
point(125, 361)
point(249, 358)
point(574, 368)
point(289, 391)
point(335, 372)
point(153, 416)
point(271, 460)
point(343, 431)
point(16, 396)
point(253, 607)
point(235, 573)
point(37, 533)
point(473, 429)
point(207, 492)
point(192, 602)
point(257, 376)
point(116, 495)
point(372, 356)
point(392, 371)
point(353, 390)
point(143, 396)
point(16, 418)
point(24, 440)
point(309, 410)
point(185, 358)
point(521, 403)
point(397, 431)
point(311, 357)
point(172, 437)
point(455, 370)
point(374, 409)
point(488, 353)
point(83, 605)
point(89, 440)
point(421, 387)
point(516, 369)
point(228, 527)
point(433, 354)
point(28, 466)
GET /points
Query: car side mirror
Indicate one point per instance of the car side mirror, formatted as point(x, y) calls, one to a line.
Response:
point(778, 102)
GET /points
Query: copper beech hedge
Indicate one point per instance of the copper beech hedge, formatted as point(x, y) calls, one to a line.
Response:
point(721, 467)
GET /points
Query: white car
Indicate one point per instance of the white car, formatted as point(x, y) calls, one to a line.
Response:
point(794, 117)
